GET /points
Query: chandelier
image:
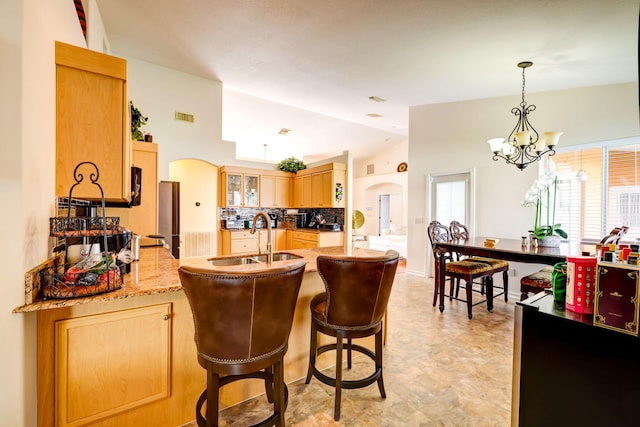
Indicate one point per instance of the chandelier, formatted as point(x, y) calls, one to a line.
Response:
point(524, 145)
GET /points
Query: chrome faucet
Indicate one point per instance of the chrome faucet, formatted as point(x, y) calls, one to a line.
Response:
point(267, 220)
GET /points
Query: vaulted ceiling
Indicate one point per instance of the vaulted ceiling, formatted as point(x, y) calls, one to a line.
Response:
point(312, 66)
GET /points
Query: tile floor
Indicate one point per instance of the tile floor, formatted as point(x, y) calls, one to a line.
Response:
point(439, 370)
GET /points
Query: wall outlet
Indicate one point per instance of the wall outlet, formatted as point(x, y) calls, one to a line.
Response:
point(512, 272)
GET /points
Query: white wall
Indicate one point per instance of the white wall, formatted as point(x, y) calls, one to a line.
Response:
point(28, 29)
point(450, 137)
point(365, 197)
point(159, 92)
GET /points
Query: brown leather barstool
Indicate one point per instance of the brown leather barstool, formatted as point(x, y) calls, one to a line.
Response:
point(242, 325)
point(353, 306)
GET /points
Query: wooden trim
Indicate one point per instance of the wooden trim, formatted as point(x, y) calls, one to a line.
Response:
point(89, 60)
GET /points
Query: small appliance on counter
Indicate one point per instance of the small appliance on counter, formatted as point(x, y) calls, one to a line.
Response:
point(329, 227)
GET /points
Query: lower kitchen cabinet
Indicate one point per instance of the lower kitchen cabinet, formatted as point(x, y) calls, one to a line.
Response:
point(243, 242)
point(111, 362)
point(313, 239)
point(118, 363)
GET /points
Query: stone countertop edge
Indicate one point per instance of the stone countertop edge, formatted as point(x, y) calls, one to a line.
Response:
point(157, 272)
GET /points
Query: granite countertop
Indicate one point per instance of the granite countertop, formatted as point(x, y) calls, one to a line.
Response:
point(157, 272)
point(304, 230)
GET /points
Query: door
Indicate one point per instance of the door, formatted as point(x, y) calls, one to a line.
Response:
point(451, 198)
point(383, 212)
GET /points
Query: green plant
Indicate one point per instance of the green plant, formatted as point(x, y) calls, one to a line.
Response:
point(542, 195)
point(291, 164)
point(137, 120)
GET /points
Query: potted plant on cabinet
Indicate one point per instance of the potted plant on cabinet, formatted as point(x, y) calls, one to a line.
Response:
point(137, 120)
point(291, 164)
point(542, 195)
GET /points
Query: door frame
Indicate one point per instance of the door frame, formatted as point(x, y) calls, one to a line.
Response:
point(470, 191)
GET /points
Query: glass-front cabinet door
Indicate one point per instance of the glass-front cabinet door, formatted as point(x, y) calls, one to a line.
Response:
point(234, 189)
point(251, 190)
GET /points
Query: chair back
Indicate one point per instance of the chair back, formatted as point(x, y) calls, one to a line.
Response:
point(240, 316)
point(459, 232)
point(357, 289)
point(438, 233)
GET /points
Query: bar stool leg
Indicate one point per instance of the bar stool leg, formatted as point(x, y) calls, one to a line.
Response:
point(279, 400)
point(348, 353)
point(213, 385)
point(313, 346)
point(336, 412)
point(379, 363)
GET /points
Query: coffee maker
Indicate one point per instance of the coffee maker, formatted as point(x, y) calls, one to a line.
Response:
point(301, 220)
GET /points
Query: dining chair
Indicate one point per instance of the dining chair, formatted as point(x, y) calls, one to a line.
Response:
point(464, 269)
point(460, 234)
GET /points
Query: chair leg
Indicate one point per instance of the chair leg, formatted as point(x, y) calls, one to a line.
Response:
point(213, 387)
point(313, 345)
point(279, 400)
point(268, 384)
point(469, 289)
point(336, 410)
point(348, 353)
point(379, 363)
point(490, 293)
point(505, 281)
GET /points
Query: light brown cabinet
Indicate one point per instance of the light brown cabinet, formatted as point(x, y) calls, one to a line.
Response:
point(143, 219)
point(320, 187)
point(243, 242)
point(311, 239)
point(92, 123)
point(275, 191)
point(239, 189)
point(109, 363)
point(302, 191)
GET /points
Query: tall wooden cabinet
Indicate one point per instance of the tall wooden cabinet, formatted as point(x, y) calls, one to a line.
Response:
point(143, 219)
point(320, 187)
point(92, 122)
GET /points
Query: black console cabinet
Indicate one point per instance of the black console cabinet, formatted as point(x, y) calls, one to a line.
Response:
point(568, 372)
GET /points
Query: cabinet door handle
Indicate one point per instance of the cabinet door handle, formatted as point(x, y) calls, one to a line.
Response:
point(165, 317)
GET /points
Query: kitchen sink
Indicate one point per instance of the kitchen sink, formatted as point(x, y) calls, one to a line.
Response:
point(251, 259)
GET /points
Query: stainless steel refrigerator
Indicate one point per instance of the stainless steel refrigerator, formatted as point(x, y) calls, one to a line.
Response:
point(169, 215)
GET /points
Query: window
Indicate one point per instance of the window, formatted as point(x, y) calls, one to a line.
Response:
point(598, 190)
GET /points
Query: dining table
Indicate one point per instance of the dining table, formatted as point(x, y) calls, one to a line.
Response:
point(504, 249)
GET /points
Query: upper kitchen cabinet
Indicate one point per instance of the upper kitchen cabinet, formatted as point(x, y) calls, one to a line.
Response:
point(275, 190)
point(240, 188)
point(92, 123)
point(320, 187)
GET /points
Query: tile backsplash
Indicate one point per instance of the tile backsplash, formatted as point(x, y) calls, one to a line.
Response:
point(330, 215)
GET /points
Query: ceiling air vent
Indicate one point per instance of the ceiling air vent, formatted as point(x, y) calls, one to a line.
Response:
point(370, 169)
point(184, 117)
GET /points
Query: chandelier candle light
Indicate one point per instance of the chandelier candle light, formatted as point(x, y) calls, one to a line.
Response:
point(524, 145)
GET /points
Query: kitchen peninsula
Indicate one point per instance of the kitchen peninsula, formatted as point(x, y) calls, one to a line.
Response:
point(127, 357)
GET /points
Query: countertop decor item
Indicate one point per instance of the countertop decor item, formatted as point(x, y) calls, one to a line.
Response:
point(291, 164)
point(137, 120)
point(524, 145)
point(542, 195)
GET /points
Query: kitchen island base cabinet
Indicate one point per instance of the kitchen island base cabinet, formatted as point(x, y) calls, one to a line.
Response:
point(90, 358)
point(129, 362)
point(143, 391)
